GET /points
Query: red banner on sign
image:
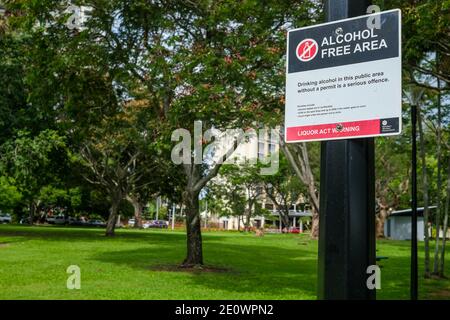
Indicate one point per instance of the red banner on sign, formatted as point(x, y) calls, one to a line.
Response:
point(333, 130)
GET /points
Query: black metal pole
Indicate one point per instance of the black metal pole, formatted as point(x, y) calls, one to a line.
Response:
point(347, 202)
point(414, 277)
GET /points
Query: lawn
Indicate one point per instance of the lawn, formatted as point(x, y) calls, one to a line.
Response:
point(137, 265)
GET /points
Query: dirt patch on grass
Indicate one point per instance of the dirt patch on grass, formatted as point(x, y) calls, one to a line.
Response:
point(441, 294)
point(190, 269)
point(4, 245)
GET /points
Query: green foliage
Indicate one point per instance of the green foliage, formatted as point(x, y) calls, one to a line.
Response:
point(126, 209)
point(425, 24)
point(9, 195)
point(392, 172)
point(284, 186)
point(33, 161)
point(53, 196)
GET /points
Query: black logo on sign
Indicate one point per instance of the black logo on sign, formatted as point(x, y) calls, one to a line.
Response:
point(390, 125)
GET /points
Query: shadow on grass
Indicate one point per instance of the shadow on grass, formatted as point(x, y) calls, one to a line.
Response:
point(253, 266)
point(395, 273)
point(245, 268)
point(249, 265)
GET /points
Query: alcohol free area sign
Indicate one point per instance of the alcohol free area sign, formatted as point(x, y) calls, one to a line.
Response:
point(343, 79)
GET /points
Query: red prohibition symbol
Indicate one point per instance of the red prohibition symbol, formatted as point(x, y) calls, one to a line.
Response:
point(307, 50)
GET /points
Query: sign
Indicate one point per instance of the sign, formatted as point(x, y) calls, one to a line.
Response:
point(307, 50)
point(344, 79)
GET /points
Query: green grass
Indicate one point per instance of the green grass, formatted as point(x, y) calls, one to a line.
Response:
point(33, 263)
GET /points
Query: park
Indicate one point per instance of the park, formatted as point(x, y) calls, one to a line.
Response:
point(145, 265)
point(221, 150)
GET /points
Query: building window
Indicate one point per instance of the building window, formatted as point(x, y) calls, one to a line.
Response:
point(261, 147)
point(272, 148)
point(261, 150)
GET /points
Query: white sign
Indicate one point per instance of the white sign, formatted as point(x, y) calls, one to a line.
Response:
point(344, 79)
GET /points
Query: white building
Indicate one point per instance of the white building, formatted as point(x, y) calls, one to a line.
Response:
point(259, 146)
point(272, 222)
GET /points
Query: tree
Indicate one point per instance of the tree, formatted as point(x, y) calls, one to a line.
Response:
point(138, 204)
point(425, 27)
point(33, 162)
point(391, 179)
point(52, 195)
point(207, 61)
point(225, 199)
point(226, 80)
point(112, 172)
point(116, 166)
point(445, 225)
point(9, 195)
point(284, 189)
point(243, 185)
point(426, 56)
point(299, 158)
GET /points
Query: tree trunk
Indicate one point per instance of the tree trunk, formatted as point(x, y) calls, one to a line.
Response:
point(445, 227)
point(381, 219)
point(425, 196)
point(315, 224)
point(195, 183)
point(112, 219)
point(138, 208)
point(247, 221)
point(283, 209)
point(194, 255)
point(284, 215)
point(438, 210)
point(299, 160)
point(439, 177)
point(31, 213)
point(248, 215)
point(285, 219)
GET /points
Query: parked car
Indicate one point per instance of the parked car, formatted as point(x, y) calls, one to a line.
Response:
point(72, 220)
point(77, 222)
point(161, 224)
point(146, 224)
point(60, 220)
point(97, 223)
point(50, 220)
point(131, 222)
point(5, 218)
point(24, 221)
